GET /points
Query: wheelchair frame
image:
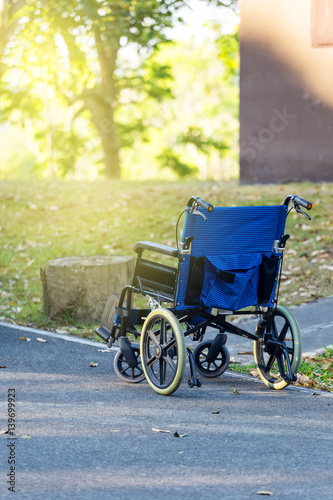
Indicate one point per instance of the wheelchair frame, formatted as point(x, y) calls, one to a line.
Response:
point(163, 347)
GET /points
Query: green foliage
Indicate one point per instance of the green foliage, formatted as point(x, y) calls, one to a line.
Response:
point(195, 135)
point(229, 53)
point(169, 159)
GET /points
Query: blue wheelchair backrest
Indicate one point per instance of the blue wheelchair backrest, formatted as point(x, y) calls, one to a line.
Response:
point(232, 263)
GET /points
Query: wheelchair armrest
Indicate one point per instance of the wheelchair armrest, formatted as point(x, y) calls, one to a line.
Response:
point(140, 246)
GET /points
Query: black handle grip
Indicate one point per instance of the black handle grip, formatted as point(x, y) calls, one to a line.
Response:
point(303, 203)
point(201, 202)
point(298, 201)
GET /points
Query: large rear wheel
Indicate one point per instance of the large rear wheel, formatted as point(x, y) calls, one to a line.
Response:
point(163, 351)
point(285, 329)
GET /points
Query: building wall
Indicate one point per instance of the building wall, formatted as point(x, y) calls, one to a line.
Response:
point(286, 92)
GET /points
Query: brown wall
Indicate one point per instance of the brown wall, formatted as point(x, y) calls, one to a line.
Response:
point(286, 94)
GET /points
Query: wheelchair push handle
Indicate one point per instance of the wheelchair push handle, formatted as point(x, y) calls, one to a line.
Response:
point(196, 201)
point(298, 203)
point(303, 203)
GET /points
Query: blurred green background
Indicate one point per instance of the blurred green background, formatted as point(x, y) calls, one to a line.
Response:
point(124, 89)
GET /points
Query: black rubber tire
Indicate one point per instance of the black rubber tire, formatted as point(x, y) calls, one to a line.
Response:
point(124, 371)
point(285, 327)
point(214, 368)
point(163, 351)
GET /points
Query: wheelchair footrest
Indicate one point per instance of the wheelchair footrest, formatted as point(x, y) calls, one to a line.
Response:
point(103, 333)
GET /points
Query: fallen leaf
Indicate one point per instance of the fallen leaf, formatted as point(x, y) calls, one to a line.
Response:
point(39, 339)
point(264, 493)
point(254, 372)
point(215, 412)
point(245, 353)
point(3, 366)
point(304, 379)
point(26, 436)
point(236, 392)
point(176, 435)
point(25, 338)
point(161, 430)
point(4, 432)
point(92, 364)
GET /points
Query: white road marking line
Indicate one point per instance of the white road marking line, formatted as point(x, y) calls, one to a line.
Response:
point(69, 338)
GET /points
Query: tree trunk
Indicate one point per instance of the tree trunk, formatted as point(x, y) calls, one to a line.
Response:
point(102, 117)
point(103, 110)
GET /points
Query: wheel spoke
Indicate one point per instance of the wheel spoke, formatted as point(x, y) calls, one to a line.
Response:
point(151, 361)
point(274, 328)
point(124, 370)
point(283, 333)
point(162, 371)
point(269, 364)
point(170, 362)
point(153, 338)
point(170, 344)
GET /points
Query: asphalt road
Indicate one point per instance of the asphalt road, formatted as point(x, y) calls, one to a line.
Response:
point(81, 433)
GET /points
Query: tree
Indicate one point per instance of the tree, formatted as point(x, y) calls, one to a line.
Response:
point(85, 28)
point(8, 24)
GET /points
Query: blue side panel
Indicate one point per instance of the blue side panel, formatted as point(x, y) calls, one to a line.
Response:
point(231, 239)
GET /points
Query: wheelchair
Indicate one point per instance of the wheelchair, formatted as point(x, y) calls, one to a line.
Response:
point(228, 261)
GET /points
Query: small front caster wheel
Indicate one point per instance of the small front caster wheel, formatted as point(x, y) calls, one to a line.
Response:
point(207, 367)
point(124, 371)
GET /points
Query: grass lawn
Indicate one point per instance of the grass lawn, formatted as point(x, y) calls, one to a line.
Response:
point(315, 372)
point(45, 220)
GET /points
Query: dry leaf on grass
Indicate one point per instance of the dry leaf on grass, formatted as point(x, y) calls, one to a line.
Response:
point(304, 379)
